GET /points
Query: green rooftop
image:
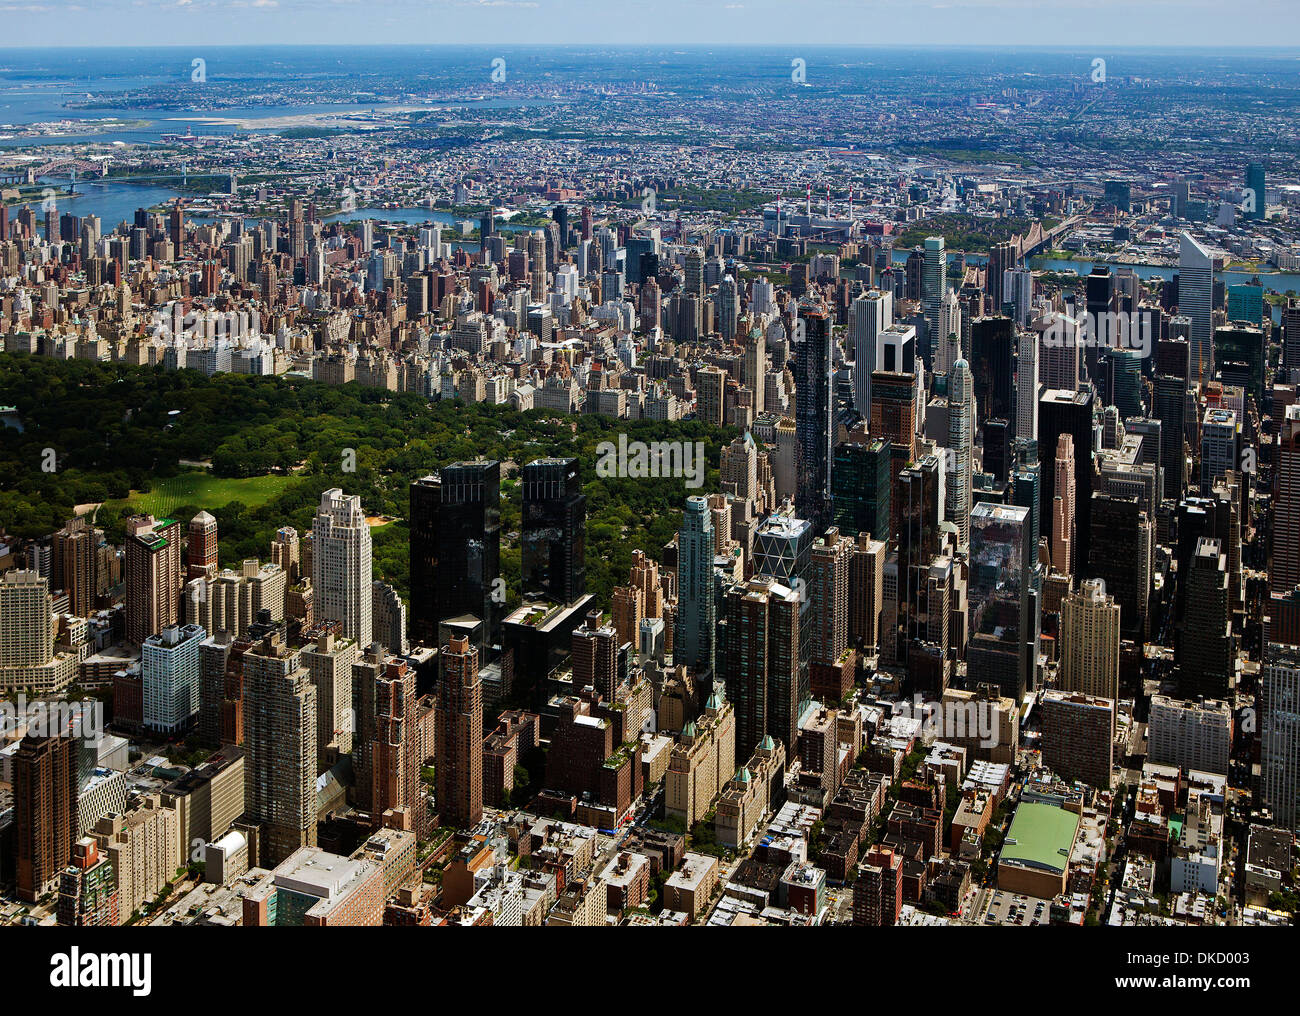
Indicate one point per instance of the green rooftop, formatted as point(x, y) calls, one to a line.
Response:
point(1038, 835)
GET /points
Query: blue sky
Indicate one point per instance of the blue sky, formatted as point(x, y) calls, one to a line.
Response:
point(867, 22)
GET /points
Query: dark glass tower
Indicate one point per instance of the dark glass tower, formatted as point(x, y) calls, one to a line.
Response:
point(455, 549)
point(553, 549)
point(813, 420)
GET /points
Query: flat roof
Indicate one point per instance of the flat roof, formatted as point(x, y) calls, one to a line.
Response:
point(1041, 836)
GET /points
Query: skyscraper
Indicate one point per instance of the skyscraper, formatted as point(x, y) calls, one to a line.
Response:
point(1067, 412)
point(1027, 384)
point(1090, 632)
point(861, 483)
point(1196, 301)
point(1279, 721)
point(458, 746)
point(201, 546)
point(169, 672)
point(74, 554)
point(1062, 524)
point(1256, 207)
point(341, 565)
point(934, 283)
point(696, 610)
point(153, 575)
point(1284, 569)
point(1003, 649)
point(1206, 649)
point(814, 420)
point(961, 430)
point(762, 661)
point(553, 539)
point(45, 811)
point(869, 315)
point(455, 549)
point(280, 738)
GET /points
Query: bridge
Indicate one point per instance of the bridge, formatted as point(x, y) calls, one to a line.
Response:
point(1037, 239)
point(98, 167)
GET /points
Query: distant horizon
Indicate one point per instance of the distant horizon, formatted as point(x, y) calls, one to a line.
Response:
point(966, 24)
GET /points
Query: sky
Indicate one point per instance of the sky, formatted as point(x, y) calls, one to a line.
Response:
point(1227, 23)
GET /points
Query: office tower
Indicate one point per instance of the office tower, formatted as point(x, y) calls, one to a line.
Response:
point(1003, 647)
point(153, 575)
point(1246, 303)
point(1018, 295)
point(762, 662)
point(828, 585)
point(934, 284)
point(341, 565)
point(594, 652)
point(88, 895)
point(753, 366)
point(1284, 568)
point(1240, 355)
point(1062, 524)
point(947, 350)
point(920, 498)
point(1291, 334)
point(388, 617)
point(1218, 447)
point(1255, 203)
point(201, 546)
point(869, 315)
point(1025, 484)
point(814, 420)
point(169, 672)
point(995, 438)
point(1066, 412)
point(553, 559)
point(1191, 734)
point(866, 592)
point(1027, 384)
point(1196, 301)
point(992, 366)
point(694, 269)
point(696, 610)
point(45, 811)
point(1059, 342)
point(1172, 368)
point(1002, 258)
point(1279, 728)
point(455, 549)
point(458, 746)
point(280, 725)
point(1090, 634)
point(728, 307)
point(1078, 737)
point(74, 554)
point(1100, 304)
point(1125, 377)
point(1206, 651)
point(861, 481)
point(1121, 553)
point(961, 435)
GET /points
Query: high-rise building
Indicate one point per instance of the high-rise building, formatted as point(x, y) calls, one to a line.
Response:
point(88, 889)
point(280, 725)
point(1069, 412)
point(153, 576)
point(45, 811)
point(961, 441)
point(1061, 525)
point(814, 419)
point(1279, 726)
point(1206, 650)
point(455, 549)
point(1090, 632)
point(1284, 568)
point(1027, 384)
point(1196, 301)
point(934, 284)
point(696, 606)
point(341, 565)
point(1218, 447)
point(1121, 552)
point(869, 314)
point(1173, 368)
point(1002, 258)
point(201, 546)
point(1255, 198)
point(828, 585)
point(1191, 734)
point(553, 540)
point(1078, 732)
point(458, 744)
point(169, 672)
point(861, 481)
point(594, 652)
point(992, 365)
point(74, 555)
point(762, 662)
point(388, 749)
point(1003, 647)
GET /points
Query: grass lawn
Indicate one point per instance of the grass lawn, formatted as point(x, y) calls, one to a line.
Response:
point(206, 491)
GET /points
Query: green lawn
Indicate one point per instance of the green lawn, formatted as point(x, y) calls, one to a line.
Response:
point(206, 491)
